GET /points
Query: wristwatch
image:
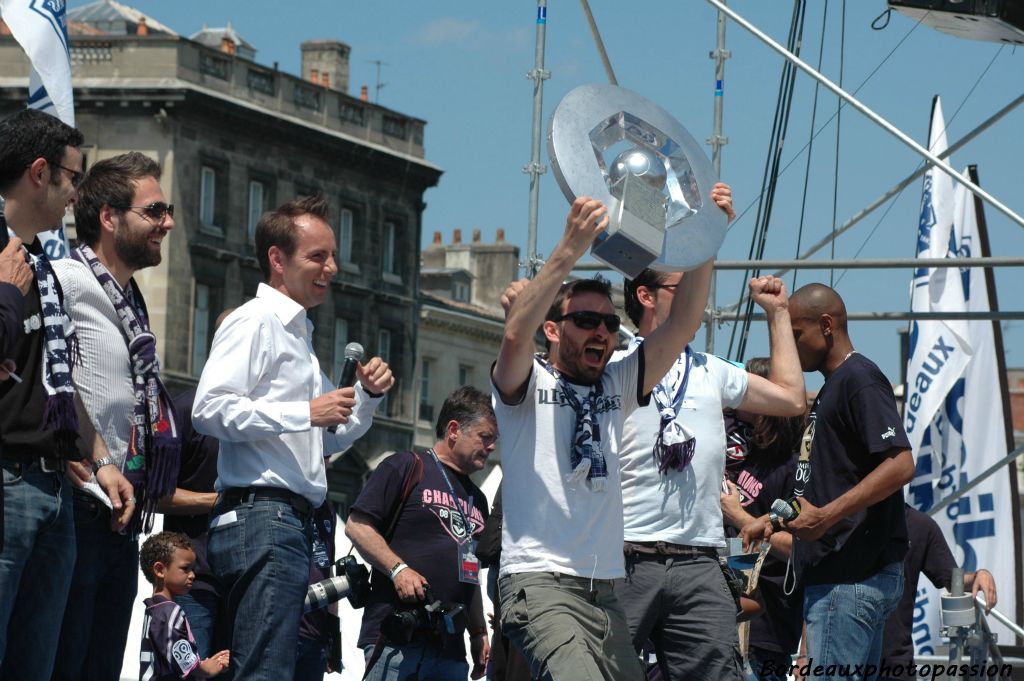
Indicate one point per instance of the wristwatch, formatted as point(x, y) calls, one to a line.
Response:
point(105, 461)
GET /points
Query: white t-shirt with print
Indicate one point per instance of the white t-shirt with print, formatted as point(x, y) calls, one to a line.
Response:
point(549, 524)
point(682, 507)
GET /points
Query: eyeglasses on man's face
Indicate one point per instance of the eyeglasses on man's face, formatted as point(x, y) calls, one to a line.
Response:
point(589, 321)
point(155, 212)
point(76, 175)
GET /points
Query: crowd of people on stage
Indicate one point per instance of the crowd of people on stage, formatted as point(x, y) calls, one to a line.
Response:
point(625, 466)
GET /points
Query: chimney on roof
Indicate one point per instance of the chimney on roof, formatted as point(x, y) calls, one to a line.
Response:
point(364, 93)
point(329, 58)
point(437, 239)
point(476, 236)
point(457, 237)
point(500, 239)
point(141, 28)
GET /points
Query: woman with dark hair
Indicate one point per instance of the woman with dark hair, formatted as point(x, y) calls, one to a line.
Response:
point(761, 458)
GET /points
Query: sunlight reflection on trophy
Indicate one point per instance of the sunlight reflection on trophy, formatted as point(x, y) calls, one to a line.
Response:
point(614, 145)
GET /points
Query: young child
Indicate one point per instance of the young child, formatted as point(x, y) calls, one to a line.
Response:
point(168, 648)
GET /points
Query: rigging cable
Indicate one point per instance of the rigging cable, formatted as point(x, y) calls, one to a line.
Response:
point(952, 118)
point(773, 160)
point(839, 119)
point(826, 123)
point(810, 144)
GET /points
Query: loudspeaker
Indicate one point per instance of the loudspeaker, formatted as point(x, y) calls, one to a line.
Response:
point(998, 21)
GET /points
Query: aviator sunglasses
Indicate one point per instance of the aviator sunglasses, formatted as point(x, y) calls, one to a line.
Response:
point(590, 320)
point(154, 211)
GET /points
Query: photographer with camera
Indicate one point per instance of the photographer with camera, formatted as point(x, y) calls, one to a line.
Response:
point(416, 521)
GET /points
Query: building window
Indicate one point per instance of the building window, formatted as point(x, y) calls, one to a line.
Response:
point(426, 408)
point(306, 97)
point(388, 248)
point(460, 291)
point(200, 329)
point(261, 81)
point(395, 127)
point(214, 66)
point(352, 113)
point(465, 375)
point(207, 196)
point(340, 341)
point(257, 205)
point(384, 352)
point(345, 235)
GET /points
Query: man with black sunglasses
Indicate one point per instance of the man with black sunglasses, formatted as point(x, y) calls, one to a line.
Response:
point(121, 219)
point(562, 418)
point(673, 460)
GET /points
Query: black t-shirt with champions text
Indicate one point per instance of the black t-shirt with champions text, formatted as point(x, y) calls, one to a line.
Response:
point(426, 536)
point(853, 423)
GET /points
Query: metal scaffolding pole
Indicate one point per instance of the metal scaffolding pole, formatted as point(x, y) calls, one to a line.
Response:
point(875, 118)
point(860, 264)
point(717, 141)
point(535, 168)
point(987, 315)
point(600, 43)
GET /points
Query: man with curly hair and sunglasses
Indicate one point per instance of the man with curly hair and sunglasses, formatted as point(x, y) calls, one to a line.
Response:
point(562, 417)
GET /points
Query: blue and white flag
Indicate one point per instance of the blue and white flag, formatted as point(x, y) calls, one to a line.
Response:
point(40, 27)
point(939, 349)
point(964, 438)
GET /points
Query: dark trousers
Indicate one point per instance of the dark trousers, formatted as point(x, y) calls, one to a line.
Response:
point(35, 569)
point(261, 558)
point(94, 633)
point(684, 607)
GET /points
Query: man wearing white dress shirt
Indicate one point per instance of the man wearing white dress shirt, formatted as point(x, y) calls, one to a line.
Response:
point(276, 415)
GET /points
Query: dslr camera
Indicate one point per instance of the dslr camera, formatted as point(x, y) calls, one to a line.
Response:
point(426, 617)
point(351, 580)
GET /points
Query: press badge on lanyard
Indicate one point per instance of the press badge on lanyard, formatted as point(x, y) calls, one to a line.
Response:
point(469, 564)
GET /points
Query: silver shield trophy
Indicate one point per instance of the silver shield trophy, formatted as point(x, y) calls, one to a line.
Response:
point(611, 144)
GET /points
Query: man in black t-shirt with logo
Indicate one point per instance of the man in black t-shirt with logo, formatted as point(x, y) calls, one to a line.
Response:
point(415, 522)
point(851, 533)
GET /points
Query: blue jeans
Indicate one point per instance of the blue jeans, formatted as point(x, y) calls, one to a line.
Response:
point(845, 621)
point(262, 561)
point(310, 660)
point(202, 608)
point(398, 663)
point(35, 568)
point(106, 577)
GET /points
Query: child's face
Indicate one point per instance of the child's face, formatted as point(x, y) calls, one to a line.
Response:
point(178, 574)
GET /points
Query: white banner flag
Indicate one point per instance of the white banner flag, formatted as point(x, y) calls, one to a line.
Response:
point(40, 27)
point(967, 436)
point(939, 349)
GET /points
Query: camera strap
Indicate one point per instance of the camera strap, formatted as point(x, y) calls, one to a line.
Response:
point(469, 564)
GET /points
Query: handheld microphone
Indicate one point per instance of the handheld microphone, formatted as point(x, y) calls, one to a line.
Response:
point(790, 510)
point(353, 355)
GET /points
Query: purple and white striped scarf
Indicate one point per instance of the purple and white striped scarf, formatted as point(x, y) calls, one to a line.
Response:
point(154, 448)
point(60, 352)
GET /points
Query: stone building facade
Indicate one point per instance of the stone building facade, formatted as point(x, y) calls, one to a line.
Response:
point(235, 138)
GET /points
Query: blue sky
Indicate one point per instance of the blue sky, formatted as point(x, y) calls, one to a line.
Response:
point(462, 67)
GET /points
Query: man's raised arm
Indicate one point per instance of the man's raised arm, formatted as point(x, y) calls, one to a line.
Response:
point(783, 392)
point(587, 218)
point(666, 343)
